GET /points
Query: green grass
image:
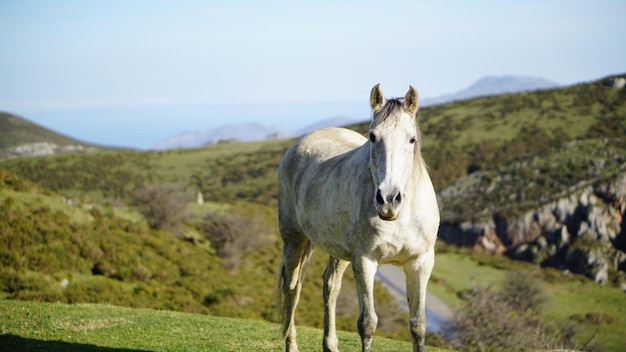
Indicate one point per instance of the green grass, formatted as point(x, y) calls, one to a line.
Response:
point(596, 307)
point(93, 327)
point(455, 273)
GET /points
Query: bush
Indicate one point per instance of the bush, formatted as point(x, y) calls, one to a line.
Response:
point(523, 292)
point(233, 235)
point(163, 205)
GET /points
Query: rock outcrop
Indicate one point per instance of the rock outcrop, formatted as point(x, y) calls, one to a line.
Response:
point(533, 210)
point(615, 82)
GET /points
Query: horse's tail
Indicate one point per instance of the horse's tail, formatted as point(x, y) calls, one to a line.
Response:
point(282, 314)
point(285, 311)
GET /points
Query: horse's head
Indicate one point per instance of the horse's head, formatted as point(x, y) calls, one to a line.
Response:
point(394, 139)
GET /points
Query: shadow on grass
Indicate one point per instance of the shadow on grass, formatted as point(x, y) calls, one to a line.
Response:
point(18, 343)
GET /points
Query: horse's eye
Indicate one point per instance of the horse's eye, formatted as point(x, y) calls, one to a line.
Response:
point(372, 137)
point(412, 140)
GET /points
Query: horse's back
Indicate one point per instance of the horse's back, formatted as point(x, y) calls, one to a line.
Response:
point(306, 158)
point(315, 148)
point(326, 143)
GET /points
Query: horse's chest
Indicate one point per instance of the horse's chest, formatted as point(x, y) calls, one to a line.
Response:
point(397, 243)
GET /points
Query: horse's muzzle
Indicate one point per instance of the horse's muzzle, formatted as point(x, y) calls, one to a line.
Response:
point(388, 205)
point(390, 217)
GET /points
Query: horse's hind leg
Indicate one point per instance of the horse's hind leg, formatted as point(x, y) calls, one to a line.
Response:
point(332, 285)
point(295, 258)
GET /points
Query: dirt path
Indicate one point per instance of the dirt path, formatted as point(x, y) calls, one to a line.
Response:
point(437, 311)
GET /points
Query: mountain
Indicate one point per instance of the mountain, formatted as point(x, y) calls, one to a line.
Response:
point(494, 85)
point(244, 132)
point(20, 137)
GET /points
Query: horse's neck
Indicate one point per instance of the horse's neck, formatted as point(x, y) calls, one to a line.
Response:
point(420, 170)
point(419, 179)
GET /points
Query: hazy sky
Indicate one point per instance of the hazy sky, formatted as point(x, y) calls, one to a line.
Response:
point(135, 72)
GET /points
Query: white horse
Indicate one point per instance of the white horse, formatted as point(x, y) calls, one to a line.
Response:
point(369, 202)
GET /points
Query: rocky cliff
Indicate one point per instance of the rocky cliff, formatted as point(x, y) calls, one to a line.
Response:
point(571, 218)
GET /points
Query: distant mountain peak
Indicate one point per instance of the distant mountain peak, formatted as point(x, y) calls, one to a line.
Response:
point(245, 132)
point(490, 85)
point(495, 85)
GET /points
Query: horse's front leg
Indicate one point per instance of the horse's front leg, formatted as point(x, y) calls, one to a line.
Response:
point(417, 275)
point(332, 285)
point(364, 271)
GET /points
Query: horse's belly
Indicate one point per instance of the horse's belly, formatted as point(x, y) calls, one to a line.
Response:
point(326, 206)
point(327, 231)
point(337, 250)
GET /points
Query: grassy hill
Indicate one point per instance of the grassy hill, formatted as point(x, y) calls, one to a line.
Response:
point(71, 231)
point(15, 130)
point(26, 326)
point(20, 137)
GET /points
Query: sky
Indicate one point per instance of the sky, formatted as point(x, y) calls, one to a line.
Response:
point(132, 73)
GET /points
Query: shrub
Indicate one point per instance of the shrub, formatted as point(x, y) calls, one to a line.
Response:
point(523, 292)
point(163, 205)
point(233, 235)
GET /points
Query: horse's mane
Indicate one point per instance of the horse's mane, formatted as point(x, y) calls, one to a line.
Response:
point(389, 108)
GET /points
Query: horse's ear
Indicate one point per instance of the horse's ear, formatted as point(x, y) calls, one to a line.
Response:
point(377, 99)
point(411, 101)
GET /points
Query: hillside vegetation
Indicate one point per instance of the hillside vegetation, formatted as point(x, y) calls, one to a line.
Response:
point(57, 249)
point(75, 228)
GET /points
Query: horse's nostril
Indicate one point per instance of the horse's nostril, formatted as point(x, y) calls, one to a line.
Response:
point(379, 198)
point(398, 197)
